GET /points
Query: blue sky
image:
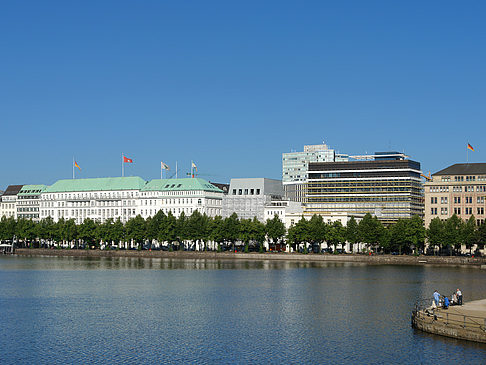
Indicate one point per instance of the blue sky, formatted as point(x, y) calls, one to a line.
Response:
point(232, 85)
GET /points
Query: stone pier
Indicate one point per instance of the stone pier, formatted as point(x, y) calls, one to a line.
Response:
point(465, 322)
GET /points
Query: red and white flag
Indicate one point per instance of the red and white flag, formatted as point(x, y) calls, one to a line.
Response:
point(127, 160)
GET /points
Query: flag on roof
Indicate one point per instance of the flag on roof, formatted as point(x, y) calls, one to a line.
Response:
point(470, 147)
point(194, 166)
point(76, 164)
point(127, 160)
point(164, 166)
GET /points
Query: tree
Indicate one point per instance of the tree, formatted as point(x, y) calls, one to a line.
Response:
point(231, 229)
point(87, 231)
point(453, 233)
point(336, 234)
point(318, 231)
point(118, 231)
point(195, 227)
point(257, 233)
point(298, 233)
point(69, 230)
point(25, 229)
point(416, 232)
point(352, 232)
point(370, 230)
point(398, 235)
point(482, 235)
point(181, 230)
point(168, 232)
point(245, 232)
point(275, 229)
point(470, 233)
point(216, 229)
point(45, 228)
point(155, 226)
point(7, 230)
point(436, 232)
point(135, 228)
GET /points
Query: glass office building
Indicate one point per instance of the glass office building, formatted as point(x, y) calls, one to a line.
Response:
point(386, 184)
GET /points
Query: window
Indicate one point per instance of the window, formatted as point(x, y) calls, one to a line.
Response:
point(457, 211)
point(234, 191)
point(457, 200)
point(240, 191)
point(257, 191)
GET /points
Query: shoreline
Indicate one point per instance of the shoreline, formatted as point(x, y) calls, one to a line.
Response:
point(478, 262)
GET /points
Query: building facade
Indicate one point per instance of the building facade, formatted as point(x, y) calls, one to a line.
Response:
point(248, 197)
point(126, 197)
point(458, 189)
point(386, 185)
point(295, 168)
point(8, 205)
point(28, 202)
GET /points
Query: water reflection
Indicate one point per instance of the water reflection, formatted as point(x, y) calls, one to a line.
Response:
point(78, 310)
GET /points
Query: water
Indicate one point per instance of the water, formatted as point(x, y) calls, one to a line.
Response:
point(103, 310)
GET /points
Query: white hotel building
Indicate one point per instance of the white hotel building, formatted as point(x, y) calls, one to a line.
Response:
point(126, 197)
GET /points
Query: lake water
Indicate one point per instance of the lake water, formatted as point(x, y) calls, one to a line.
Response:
point(129, 310)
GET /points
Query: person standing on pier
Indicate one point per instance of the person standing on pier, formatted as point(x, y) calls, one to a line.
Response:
point(437, 297)
point(459, 297)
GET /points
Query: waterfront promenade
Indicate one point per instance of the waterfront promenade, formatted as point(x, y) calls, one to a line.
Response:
point(479, 262)
point(466, 322)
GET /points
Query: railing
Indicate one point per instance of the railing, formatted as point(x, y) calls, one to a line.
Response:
point(424, 311)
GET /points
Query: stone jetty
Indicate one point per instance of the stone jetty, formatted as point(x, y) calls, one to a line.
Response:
point(465, 322)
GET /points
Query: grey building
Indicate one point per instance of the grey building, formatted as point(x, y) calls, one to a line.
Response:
point(247, 197)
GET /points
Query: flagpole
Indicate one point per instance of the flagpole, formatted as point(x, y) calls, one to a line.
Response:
point(123, 172)
point(176, 170)
point(192, 163)
point(161, 171)
point(73, 167)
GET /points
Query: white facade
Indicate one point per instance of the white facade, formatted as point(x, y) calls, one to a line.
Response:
point(94, 199)
point(8, 206)
point(96, 205)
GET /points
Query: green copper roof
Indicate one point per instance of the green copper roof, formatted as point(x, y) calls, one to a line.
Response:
point(32, 189)
point(180, 185)
point(97, 184)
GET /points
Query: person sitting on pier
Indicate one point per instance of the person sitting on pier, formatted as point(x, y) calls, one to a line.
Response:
point(453, 299)
point(446, 302)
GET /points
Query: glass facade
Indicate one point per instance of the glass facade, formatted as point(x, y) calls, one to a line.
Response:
point(389, 189)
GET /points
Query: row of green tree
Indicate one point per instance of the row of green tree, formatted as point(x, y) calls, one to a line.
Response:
point(405, 236)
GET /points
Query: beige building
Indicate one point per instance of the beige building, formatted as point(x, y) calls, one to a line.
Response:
point(458, 189)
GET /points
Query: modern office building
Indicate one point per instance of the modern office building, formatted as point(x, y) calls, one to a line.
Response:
point(8, 206)
point(126, 197)
point(28, 200)
point(386, 184)
point(458, 189)
point(295, 168)
point(248, 197)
